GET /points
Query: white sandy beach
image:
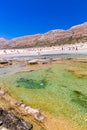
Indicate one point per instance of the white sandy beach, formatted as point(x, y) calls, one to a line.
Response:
point(63, 49)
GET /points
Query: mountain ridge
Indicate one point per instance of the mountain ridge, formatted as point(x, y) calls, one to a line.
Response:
point(75, 34)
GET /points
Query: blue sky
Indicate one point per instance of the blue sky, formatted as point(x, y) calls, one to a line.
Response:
point(27, 17)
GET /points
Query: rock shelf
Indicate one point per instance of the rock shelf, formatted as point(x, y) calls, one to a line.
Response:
point(11, 122)
point(35, 112)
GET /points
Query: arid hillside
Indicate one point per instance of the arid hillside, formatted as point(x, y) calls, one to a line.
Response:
point(75, 34)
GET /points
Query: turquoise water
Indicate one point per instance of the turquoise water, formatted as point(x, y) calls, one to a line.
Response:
point(60, 89)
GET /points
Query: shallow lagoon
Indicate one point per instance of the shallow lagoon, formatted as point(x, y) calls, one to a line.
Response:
point(59, 88)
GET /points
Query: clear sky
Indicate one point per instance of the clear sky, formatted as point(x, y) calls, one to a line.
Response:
point(25, 17)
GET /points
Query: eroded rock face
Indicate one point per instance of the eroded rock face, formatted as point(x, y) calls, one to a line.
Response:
point(12, 122)
point(75, 34)
point(3, 42)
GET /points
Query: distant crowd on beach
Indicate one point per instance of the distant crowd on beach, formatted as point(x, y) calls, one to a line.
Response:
point(80, 47)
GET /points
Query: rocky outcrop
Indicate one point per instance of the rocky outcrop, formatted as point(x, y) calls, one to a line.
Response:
point(39, 61)
point(4, 63)
point(12, 122)
point(33, 62)
point(29, 110)
point(73, 35)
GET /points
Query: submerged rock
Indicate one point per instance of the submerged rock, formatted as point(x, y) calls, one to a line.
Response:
point(10, 121)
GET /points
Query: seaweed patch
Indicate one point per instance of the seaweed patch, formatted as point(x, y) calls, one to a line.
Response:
point(80, 99)
point(32, 83)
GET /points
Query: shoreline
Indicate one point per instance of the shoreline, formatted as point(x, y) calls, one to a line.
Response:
point(62, 49)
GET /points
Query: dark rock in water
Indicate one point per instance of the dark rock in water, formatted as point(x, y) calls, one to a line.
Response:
point(12, 122)
point(4, 62)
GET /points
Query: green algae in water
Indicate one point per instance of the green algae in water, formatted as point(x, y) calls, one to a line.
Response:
point(80, 99)
point(62, 93)
point(31, 83)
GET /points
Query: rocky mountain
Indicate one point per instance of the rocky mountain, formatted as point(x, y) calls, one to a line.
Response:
point(3, 42)
point(75, 34)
